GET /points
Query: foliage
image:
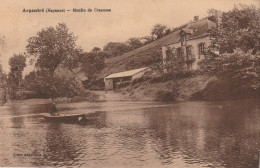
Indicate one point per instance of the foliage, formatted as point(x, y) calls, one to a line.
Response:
point(96, 50)
point(149, 58)
point(114, 49)
point(167, 95)
point(147, 39)
point(3, 87)
point(174, 64)
point(213, 14)
point(243, 68)
point(49, 49)
point(52, 47)
point(240, 28)
point(237, 39)
point(159, 30)
point(46, 85)
point(134, 43)
point(17, 64)
point(92, 63)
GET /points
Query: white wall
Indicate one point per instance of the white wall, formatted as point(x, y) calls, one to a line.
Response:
point(195, 44)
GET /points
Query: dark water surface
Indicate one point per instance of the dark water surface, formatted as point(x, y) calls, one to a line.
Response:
point(134, 134)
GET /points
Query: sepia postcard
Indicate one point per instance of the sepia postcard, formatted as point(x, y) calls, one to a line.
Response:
point(130, 83)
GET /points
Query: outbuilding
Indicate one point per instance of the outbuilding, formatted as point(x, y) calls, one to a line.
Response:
point(112, 80)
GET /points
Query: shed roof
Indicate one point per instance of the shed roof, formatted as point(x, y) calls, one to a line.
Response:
point(125, 73)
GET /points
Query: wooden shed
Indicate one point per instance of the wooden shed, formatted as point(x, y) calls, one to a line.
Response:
point(113, 79)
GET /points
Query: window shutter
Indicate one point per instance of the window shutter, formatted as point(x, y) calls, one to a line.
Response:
point(177, 54)
point(183, 53)
point(192, 52)
point(173, 52)
point(205, 46)
point(199, 50)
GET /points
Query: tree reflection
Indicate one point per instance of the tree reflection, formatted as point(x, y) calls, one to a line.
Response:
point(217, 133)
point(60, 148)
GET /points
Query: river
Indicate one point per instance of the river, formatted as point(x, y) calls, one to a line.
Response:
point(133, 134)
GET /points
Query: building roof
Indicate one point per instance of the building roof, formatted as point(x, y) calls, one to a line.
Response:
point(187, 31)
point(126, 73)
point(196, 29)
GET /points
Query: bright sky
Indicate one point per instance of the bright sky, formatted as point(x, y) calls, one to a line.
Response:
point(129, 18)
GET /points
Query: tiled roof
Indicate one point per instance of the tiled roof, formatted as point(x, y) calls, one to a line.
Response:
point(126, 73)
point(200, 29)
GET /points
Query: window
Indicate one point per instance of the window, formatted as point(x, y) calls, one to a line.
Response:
point(189, 52)
point(189, 66)
point(179, 54)
point(201, 49)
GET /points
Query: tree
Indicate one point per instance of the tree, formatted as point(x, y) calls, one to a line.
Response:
point(92, 63)
point(159, 31)
point(52, 47)
point(134, 43)
point(240, 28)
point(116, 48)
point(147, 39)
point(46, 85)
point(49, 49)
point(96, 50)
point(168, 31)
point(174, 64)
point(17, 64)
point(242, 68)
point(213, 14)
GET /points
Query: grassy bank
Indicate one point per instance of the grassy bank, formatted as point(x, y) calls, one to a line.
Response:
point(190, 87)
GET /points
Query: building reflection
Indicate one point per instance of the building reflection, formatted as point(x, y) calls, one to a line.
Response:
point(213, 134)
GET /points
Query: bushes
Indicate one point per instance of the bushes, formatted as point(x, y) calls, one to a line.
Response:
point(46, 85)
point(164, 95)
point(225, 89)
point(243, 68)
point(75, 99)
point(174, 76)
point(168, 95)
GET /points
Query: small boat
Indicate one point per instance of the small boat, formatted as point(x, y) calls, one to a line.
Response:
point(70, 118)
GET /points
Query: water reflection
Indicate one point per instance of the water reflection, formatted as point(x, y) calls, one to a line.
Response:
point(124, 134)
point(60, 147)
point(220, 136)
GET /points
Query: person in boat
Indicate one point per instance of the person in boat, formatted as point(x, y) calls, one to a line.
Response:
point(54, 110)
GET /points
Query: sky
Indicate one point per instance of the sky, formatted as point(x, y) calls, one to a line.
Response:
point(128, 18)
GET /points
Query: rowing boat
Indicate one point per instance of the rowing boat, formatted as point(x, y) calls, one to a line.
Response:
point(65, 117)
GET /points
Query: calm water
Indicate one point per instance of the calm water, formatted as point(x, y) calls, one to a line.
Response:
point(134, 134)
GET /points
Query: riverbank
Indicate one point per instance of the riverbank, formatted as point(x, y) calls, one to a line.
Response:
point(200, 87)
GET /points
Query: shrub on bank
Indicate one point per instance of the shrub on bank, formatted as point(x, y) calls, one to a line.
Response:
point(75, 99)
point(225, 89)
point(175, 75)
point(164, 95)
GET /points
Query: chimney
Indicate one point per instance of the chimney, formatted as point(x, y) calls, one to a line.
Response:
point(196, 18)
point(218, 16)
